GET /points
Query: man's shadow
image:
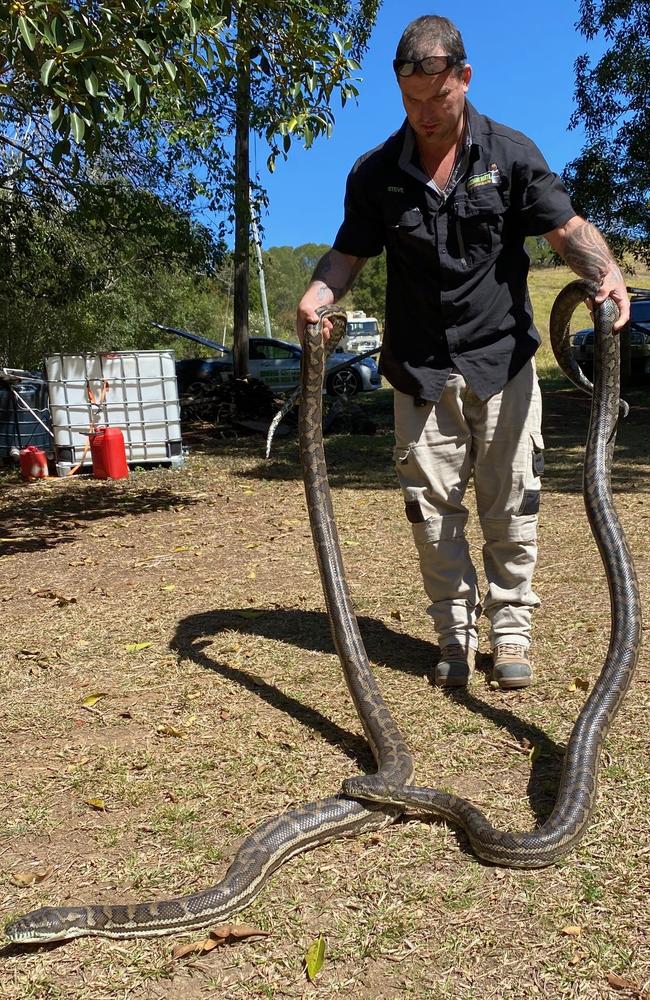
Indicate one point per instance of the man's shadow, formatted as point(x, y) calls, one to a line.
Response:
point(310, 630)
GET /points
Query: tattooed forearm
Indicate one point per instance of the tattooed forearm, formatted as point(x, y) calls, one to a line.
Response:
point(335, 273)
point(586, 253)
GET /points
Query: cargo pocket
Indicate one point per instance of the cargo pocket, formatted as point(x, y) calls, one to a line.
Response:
point(532, 481)
point(411, 487)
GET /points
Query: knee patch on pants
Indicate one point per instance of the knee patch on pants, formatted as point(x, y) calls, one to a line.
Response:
point(511, 528)
point(438, 528)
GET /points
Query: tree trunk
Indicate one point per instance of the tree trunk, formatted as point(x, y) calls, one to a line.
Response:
point(242, 209)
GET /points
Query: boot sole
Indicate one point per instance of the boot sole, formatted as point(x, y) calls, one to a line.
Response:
point(509, 683)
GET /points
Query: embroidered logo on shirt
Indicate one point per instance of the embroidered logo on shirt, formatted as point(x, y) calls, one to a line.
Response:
point(492, 176)
point(395, 190)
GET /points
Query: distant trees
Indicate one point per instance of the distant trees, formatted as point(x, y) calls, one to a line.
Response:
point(141, 95)
point(610, 180)
point(92, 275)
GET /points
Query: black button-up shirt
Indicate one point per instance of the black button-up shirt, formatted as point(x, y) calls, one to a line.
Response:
point(456, 293)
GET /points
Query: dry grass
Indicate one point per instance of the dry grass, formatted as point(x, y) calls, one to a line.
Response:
point(236, 710)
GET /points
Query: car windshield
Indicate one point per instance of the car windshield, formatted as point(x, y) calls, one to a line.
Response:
point(357, 326)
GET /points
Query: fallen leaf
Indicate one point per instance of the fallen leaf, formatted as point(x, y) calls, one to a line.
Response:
point(54, 595)
point(397, 615)
point(220, 935)
point(135, 647)
point(314, 958)
point(169, 586)
point(23, 879)
point(534, 753)
point(622, 983)
point(167, 730)
point(237, 931)
point(578, 684)
point(97, 804)
point(193, 948)
point(572, 930)
point(92, 699)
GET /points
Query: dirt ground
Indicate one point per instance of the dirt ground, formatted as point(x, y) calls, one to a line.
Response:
point(167, 681)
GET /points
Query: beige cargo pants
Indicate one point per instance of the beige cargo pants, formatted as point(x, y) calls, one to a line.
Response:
point(438, 447)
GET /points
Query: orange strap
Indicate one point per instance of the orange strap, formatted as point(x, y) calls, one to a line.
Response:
point(93, 423)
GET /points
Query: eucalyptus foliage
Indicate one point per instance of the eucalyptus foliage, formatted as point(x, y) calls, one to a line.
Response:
point(610, 180)
point(136, 81)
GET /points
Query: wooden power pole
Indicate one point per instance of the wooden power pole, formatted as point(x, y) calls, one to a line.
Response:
point(242, 206)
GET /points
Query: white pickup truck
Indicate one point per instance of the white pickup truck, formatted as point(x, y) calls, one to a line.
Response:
point(362, 333)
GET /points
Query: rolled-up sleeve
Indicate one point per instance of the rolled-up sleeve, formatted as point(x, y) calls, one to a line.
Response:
point(362, 232)
point(542, 200)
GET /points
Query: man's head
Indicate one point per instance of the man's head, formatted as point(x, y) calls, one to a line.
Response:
point(425, 36)
point(433, 76)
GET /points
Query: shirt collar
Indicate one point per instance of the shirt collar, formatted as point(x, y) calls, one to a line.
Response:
point(409, 160)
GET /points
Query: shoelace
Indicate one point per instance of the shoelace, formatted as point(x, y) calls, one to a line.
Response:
point(510, 649)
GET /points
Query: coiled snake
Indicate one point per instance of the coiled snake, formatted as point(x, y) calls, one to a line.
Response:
point(387, 792)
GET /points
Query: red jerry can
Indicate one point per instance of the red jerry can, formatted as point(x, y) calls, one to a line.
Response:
point(33, 463)
point(108, 454)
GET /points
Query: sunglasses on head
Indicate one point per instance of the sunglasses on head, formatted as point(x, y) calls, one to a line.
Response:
point(431, 65)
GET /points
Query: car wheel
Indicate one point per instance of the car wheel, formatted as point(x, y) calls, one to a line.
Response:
point(347, 382)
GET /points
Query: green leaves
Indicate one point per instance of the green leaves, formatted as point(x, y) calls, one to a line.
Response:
point(609, 179)
point(25, 28)
point(92, 84)
point(314, 958)
point(46, 71)
point(170, 69)
point(78, 127)
point(143, 46)
point(165, 72)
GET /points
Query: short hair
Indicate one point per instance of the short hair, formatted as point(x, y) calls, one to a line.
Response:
point(425, 34)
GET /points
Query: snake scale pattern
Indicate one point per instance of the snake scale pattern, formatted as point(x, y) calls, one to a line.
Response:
point(387, 793)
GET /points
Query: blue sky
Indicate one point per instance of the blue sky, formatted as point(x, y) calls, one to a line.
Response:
point(522, 54)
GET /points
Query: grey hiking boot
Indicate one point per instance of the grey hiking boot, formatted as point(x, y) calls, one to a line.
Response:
point(512, 667)
point(455, 666)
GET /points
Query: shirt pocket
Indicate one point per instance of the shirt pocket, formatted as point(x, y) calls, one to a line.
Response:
point(405, 226)
point(478, 225)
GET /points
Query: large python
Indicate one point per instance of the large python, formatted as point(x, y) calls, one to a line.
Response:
point(576, 794)
point(387, 792)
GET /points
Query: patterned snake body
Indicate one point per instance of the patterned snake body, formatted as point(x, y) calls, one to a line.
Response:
point(387, 793)
point(577, 790)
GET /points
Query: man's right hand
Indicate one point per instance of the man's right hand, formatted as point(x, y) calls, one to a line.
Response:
point(312, 300)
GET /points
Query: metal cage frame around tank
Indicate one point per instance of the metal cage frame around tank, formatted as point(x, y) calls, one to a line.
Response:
point(142, 400)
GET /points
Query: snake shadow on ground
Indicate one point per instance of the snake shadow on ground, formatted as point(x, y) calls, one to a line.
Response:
point(310, 630)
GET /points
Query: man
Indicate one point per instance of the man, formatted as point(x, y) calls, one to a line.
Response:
point(451, 196)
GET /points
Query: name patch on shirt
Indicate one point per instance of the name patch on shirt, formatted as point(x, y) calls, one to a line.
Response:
point(395, 190)
point(491, 176)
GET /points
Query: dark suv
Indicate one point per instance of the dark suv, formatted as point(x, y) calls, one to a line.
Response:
point(635, 338)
